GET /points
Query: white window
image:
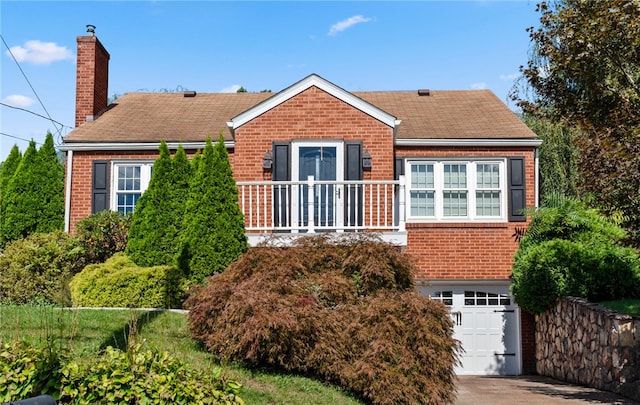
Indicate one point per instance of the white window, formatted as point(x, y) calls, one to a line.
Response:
point(456, 190)
point(129, 181)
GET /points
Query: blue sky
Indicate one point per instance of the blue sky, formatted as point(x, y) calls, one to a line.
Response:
point(211, 46)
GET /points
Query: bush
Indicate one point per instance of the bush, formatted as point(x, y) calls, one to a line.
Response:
point(39, 267)
point(572, 250)
point(142, 376)
point(103, 234)
point(136, 376)
point(346, 312)
point(27, 371)
point(120, 283)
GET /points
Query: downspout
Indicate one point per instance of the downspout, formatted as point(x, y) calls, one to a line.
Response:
point(536, 176)
point(67, 192)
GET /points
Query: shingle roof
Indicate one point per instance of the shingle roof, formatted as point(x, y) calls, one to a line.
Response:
point(151, 117)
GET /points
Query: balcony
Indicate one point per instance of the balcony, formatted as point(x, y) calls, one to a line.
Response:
point(295, 208)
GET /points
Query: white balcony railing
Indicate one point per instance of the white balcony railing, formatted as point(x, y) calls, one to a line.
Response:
point(323, 206)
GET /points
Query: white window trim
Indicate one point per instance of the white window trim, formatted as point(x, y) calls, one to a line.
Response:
point(145, 177)
point(471, 188)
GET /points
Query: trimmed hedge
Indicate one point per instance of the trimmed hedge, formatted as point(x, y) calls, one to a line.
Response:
point(121, 283)
point(344, 311)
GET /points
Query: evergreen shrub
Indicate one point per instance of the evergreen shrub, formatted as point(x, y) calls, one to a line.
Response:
point(572, 250)
point(121, 283)
point(39, 267)
point(212, 234)
point(345, 311)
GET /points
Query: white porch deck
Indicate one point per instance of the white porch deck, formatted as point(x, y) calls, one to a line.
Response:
point(292, 209)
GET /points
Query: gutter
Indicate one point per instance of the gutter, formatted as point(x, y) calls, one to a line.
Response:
point(129, 146)
point(469, 142)
point(67, 191)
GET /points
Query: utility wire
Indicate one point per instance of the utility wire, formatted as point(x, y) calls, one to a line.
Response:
point(17, 137)
point(35, 113)
point(32, 89)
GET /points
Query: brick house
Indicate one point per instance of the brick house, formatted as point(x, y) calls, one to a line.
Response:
point(443, 174)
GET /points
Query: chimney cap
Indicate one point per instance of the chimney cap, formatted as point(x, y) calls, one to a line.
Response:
point(189, 93)
point(91, 29)
point(424, 92)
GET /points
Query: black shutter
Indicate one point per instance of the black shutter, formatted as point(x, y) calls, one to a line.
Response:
point(354, 195)
point(517, 189)
point(100, 186)
point(398, 168)
point(281, 172)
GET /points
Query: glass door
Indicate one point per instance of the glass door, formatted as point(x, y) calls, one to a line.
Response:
point(323, 161)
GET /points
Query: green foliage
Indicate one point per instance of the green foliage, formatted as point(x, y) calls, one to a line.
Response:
point(27, 371)
point(559, 156)
point(120, 283)
point(33, 200)
point(155, 227)
point(346, 312)
point(39, 267)
point(572, 250)
point(213, 231)
point(8, 169)
point(584, 71)
point(103, 234)
point(142, 376)
point(137, 375)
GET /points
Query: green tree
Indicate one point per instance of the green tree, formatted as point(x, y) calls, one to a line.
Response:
point(34, 199)
point(157, 220)
point(8, 169)
point(584, 70)
point(213, 232)
point(559, 155)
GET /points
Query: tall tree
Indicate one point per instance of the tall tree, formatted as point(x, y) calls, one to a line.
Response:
point(152, 221)
point(558, 156)
point(34, 199)
point(585, 71)
point(8, 169)
point(213, 232)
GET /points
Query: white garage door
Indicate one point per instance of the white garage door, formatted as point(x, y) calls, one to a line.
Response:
point(486, 321)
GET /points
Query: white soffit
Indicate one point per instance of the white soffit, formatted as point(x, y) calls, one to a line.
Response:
point(304, 84)
point(127, 146)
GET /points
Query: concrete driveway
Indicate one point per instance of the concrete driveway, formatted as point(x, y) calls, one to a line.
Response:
point(473, 390)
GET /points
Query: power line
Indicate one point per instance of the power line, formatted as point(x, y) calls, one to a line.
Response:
point(31, 86)
point(17, 137)
point(35, 113)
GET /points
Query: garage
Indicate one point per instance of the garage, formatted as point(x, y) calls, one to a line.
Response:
point(486, 321)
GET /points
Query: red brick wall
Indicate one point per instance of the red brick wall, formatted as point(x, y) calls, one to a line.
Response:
point(528, 343)
point(315, 115)
point(466, 250)
point(92, 73)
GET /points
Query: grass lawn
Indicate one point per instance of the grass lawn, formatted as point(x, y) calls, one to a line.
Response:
point(626, 306)
point(83, 333)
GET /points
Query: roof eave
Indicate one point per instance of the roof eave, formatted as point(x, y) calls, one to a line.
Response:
point(129, 146)
point(504, 142)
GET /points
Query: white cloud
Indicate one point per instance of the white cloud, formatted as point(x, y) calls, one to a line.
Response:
point(479, 86)
point(17, 100)
point(40, 53)
point(349, 22)
point(231, 89)
point(509, 77)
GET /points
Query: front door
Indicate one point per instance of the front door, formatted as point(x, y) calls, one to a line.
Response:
point(322, 161)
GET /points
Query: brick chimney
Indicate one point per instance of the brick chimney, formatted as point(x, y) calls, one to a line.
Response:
point(92, 79)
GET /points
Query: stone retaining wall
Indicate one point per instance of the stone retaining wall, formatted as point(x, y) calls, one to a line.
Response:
point(587, 344)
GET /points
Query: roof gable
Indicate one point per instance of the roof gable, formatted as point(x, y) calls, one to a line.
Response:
point(304, 84)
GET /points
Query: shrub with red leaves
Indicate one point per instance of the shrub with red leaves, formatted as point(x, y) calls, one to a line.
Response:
point(344, 310)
